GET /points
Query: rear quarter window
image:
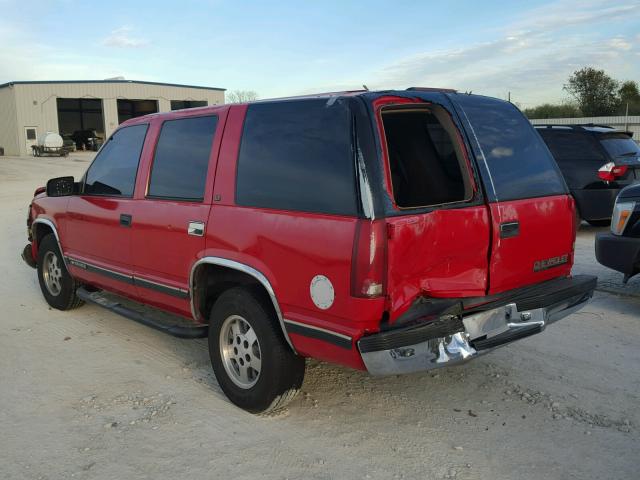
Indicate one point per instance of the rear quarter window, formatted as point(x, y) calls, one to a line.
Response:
point(517, 164)
point(297, 155)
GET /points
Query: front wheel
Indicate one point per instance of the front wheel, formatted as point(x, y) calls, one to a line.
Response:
point(254, 365)
point(57, 285)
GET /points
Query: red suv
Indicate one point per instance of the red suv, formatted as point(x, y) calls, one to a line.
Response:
point(390, 231)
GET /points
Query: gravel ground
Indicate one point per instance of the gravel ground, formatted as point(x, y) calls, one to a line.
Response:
point(90, 395)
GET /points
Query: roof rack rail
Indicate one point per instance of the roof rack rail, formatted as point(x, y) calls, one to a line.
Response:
point(432, 89)
point(596, 125)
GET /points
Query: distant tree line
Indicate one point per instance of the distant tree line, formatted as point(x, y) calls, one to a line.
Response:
point(593, 94)
point(241, 96)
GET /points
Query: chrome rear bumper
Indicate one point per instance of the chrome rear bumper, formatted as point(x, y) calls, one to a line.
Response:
point(476, 334)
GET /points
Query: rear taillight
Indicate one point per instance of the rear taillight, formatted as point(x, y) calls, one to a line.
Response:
point(575, 218)
point(609, 172)
point(369, 261)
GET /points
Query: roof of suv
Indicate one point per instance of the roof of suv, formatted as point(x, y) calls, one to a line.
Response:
point(352, 93)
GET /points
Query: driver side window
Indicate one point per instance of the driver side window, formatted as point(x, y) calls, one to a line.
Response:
point(113, 171)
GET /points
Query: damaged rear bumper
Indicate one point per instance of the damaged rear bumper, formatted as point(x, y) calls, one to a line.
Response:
point(455, 339)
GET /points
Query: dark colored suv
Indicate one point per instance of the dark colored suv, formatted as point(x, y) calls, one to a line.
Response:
point(596, 161)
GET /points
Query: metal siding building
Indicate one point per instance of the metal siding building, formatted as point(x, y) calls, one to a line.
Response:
point(25, 106)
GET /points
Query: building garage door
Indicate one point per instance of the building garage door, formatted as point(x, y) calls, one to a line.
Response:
point(80, 114)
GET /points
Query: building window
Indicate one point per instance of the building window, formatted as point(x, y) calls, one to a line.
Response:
point(180, 104)
point(128, 109)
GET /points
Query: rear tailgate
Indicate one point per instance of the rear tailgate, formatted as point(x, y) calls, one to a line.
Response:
point(532, 215)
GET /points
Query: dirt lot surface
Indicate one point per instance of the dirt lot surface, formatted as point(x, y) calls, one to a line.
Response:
point(90, 395)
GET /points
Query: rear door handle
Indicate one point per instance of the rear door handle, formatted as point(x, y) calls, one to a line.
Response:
point(125, 219)
point(509, 229)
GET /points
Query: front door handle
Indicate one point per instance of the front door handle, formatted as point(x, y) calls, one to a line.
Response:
point(125, 219)
point(509, 229)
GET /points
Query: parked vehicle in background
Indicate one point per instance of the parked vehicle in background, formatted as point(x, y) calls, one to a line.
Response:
point(619, 249)
point(49, 144)
point(87, 140)
point(391, 231)
point(596, 161)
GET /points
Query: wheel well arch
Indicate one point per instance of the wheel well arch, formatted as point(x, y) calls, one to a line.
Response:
point(43, 226)
point(41, 229)
point(211, 276)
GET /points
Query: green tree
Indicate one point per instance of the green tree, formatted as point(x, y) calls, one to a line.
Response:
point(629, 94)
point(549, 110)
point(241, 96)
point(595, 92)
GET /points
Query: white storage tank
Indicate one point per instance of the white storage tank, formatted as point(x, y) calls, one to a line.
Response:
point(50, 140)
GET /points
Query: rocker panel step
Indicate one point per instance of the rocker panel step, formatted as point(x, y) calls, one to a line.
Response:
point(151, 317)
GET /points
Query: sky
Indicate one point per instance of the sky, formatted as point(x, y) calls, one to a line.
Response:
point(281, 48)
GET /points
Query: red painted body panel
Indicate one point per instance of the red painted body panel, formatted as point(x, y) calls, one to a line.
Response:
point(290, 248)
point(443, 253)
point(546, 231)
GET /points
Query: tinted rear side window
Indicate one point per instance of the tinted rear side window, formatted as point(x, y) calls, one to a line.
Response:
point(113, 172)
point(182, 157)
point(568, 145)
point(620, 146)
point(297, 156)
point(518, 162)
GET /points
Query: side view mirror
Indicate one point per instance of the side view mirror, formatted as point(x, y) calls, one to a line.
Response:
point(61, 187)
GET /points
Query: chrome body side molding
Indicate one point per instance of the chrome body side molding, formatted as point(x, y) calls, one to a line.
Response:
point(241, 267)
point(338, 339)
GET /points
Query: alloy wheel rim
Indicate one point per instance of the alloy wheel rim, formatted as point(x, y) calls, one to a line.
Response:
point(240, 351)
point(52, 273)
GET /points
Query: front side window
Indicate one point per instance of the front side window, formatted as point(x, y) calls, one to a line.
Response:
point(179, 169)
point(425, 161)
point(113, 172)
point(297, 155)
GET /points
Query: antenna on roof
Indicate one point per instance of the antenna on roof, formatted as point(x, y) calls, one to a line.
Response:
point(365, 87)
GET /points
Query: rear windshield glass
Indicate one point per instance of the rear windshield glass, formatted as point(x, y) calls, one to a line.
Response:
point(571, 145)
point(620, 146)
point(518, 163)
point(426, 162)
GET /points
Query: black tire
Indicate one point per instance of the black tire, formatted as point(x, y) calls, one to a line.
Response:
point(64, 296)
point(599, 223)
point(281, 371)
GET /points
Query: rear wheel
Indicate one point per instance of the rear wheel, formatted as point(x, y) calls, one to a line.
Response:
point(253, 363)
point(57, 285)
